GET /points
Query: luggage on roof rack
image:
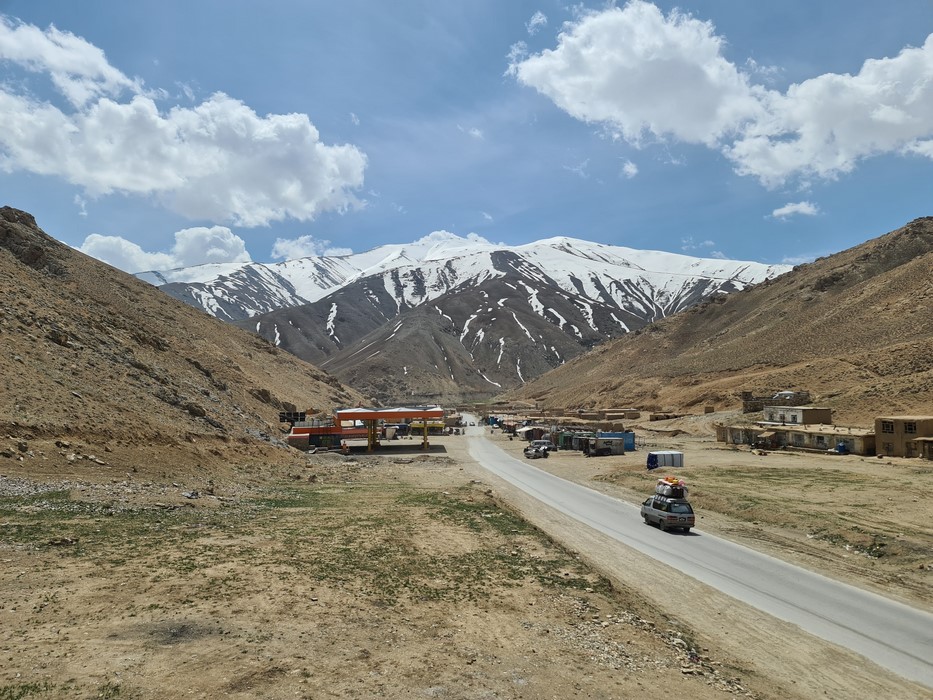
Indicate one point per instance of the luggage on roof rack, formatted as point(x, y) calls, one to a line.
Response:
point(672, 487)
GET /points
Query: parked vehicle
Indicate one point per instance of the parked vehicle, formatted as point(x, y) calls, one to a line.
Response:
point(668, 513)
point(603, 447)
point(544, 444)
point(534, 452)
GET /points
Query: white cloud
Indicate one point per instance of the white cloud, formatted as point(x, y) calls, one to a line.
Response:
point(472, 131)
point(518, 52)
point(688, 244)
point(580, 169)
point(824, 126)
point(218, 160)
point(487, 216)
point(537, 21)
point(81, 203)
point(78, 69)
point(355, 120)
point(303, 247)
point(767, 74)
point(187, 91)
point(795, 208)
point(193, 246)
point(640, 73)
point(802, 258)
point(629, 169)
point(645, 76)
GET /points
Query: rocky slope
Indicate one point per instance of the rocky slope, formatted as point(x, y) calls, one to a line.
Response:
point(97, 363)
point(855, 328)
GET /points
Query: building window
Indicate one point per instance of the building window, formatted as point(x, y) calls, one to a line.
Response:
point(887, 426)
point(793, 418)
point(910, 427)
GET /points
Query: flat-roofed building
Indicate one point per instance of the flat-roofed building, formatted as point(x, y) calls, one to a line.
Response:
point(898, 436)
point(797, 415)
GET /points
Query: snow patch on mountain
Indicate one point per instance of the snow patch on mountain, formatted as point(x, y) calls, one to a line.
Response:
point(648, 284)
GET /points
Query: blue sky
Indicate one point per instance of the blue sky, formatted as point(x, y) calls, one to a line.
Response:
point(166, 134)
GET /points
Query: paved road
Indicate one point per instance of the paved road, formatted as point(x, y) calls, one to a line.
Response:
point(893, 635)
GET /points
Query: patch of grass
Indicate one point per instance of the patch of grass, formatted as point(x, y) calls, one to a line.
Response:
point(19, 691)
point(362, 537)
point(476, 515)
point(109, 690)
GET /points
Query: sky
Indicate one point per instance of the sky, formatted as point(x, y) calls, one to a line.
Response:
point(162, 134)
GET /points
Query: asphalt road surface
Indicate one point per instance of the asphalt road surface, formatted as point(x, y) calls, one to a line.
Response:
point(893, 635)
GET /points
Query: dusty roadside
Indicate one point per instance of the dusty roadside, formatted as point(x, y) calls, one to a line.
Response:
point(399, 575)
point(776, 651)
point(394, 576)
point(859, 519)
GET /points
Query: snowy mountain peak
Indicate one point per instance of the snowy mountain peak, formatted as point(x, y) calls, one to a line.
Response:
point(650, 284)
point(483, 316)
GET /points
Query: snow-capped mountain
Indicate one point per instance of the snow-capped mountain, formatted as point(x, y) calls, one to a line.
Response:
point(447, 317)
point(650, 284)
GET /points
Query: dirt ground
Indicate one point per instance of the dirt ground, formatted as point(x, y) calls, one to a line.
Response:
point(861, 519)
point(410, 575)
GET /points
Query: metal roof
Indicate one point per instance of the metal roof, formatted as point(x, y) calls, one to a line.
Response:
point(392, 414)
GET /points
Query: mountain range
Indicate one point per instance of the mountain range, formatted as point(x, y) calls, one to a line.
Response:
point(855, 329)
point(448, 318)
point(97, 362)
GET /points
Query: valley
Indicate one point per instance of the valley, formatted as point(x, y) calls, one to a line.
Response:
point(406, 573)
point(157, 529)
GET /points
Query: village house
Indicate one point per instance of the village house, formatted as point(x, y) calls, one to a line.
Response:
point(753, 404)
point(798, 415)
point(800, 427)
point(903, 436)
point(858, 441)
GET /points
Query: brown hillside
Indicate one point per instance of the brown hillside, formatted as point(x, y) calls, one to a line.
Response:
point(855, 329)
point(96, 363)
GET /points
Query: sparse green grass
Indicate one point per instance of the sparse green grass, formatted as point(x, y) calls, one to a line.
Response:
point(21, 691)
point(309, 534)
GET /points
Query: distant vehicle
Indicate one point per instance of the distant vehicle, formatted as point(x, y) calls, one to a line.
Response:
point(668, 513)
point(534, 452)
point(544, 445)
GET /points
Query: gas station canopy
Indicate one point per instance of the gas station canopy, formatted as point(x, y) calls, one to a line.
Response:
point(372, 416)
point(390, 415)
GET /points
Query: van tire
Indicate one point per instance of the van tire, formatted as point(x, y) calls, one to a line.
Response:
point(662, 526)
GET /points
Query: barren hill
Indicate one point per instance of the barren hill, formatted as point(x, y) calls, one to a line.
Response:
point(97, 363)
point(855, 329)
